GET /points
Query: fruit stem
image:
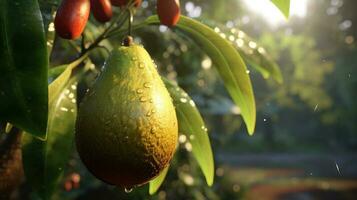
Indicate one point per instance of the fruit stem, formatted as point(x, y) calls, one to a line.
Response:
point(128, 41)
point(110, 28)
point(120, 32)
point(130, 21)
point(83, 46)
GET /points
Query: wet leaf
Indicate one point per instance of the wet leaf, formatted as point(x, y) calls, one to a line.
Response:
point(44, 161)
point(23, 66)
point(192, 125)
point(253, 53)
point(228, 62)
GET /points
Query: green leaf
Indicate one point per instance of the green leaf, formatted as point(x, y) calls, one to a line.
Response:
point(192, 125)
point(283, 6)
point(54, 72)
point(44, 161)
point(57, 85)
point(228, 62)
point(155, 184)
point(254, 54)
point(23, 66)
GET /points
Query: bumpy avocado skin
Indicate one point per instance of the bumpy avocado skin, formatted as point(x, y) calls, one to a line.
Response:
point(126, 131)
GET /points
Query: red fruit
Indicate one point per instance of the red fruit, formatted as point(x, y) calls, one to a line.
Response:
point(71, 18)
point(122, 3)
point(102, 10)
point(168, 11)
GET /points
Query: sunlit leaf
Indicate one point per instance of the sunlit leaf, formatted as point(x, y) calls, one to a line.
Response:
point(254, 54)
point(228, 62)
point(155, 184)
point(44, 161)
point(23, 66)
point(283, 6)
point(192, 125)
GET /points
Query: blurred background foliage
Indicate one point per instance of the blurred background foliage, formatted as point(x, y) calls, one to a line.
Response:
point(306, 126)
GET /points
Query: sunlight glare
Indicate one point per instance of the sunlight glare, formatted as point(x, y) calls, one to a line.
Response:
point(274, 17)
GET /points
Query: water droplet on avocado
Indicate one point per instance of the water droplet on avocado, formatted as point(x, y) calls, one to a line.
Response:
point(143, 99)
point(134, 58)
point(139, 91)
point(141, 65)
point(147, 85)
point(148, 114)
point(153, 130)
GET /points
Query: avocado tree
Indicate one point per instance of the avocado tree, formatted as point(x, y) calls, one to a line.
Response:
point(124, 117)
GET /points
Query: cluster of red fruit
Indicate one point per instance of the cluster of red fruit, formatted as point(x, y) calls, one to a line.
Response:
point(72, 15)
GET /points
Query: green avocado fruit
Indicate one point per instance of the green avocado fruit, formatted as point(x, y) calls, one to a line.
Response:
point(126, 130)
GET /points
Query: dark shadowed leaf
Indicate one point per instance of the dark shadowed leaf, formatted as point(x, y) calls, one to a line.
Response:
point(155, 184)
point(23, 66)
point(44, 161)
point(228, 62)
point(192, 125)
point(2, 127)
point(283, 5)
